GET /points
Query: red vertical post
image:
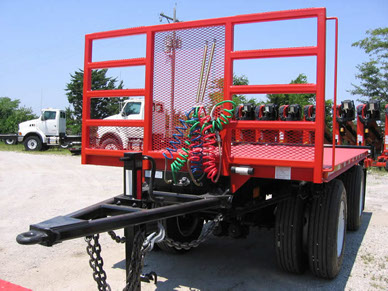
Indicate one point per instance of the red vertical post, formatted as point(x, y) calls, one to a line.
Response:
point(386, 129)
point(86, 98)
point(335, 90)
point(360, 126)
point(228, 81)
point(320, 97)
point(336, 129)
point(148, 98)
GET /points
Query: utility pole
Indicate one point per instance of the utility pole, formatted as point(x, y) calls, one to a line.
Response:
point(168, 18)
point(172, 43)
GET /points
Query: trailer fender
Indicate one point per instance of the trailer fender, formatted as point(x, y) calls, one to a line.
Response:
point(111, 140)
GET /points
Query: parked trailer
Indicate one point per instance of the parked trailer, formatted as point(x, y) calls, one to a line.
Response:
point(346, 131)
point(382, 160)
point(10, 138)
point(369, 133)
point(205, 169)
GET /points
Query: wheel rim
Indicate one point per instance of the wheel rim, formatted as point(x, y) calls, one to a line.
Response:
point(187, 224)
point(361, 196)
point(32, 144)
point(341, 229)
point(9, 141)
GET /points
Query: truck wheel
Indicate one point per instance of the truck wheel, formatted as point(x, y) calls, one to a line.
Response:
point(354, 183)
point(10, 141)
point(289, 235)
point(111, 144)
point(327, 231)
point(33, 143)
point(181, 229)
point(386, 166)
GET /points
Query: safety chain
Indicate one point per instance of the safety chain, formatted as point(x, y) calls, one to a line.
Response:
point(206, 232)
point(116, 238)
point(96, 263)
point(141, 246)
point(136, 264)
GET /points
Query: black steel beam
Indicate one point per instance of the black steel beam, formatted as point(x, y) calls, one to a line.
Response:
point(121, 208)
point(176, 197)
point(69, 227)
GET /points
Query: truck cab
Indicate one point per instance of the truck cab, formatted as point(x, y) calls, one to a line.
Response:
point(38, 134)
point(118, 138)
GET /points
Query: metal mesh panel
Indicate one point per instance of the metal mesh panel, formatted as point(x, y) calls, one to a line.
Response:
point(178, 57)
point(273, 144)
point(116, 138)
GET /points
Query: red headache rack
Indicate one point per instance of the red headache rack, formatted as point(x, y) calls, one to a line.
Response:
point(174, 84)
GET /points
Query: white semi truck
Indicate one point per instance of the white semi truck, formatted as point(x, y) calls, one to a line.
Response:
point(50, 129)
point(41, 133)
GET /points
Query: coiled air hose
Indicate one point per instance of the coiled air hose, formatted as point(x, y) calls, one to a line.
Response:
point(199, 151)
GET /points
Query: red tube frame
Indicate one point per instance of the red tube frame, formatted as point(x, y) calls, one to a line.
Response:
point(95, 156)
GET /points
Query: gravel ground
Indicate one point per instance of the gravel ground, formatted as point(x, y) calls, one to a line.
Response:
point(38, 187)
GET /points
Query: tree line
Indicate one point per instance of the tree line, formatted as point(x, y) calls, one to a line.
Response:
point(372, 76)
point(11, 114)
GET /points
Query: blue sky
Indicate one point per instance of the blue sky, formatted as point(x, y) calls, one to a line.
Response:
point(42, 42)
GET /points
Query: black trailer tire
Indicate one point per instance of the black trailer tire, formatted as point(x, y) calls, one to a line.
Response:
point(181, 229)
point(33, 143)
point(289, 235)
point(354, 183)
point(111, 144)
point(10, 141)
point(327, 231)
point(386, 166)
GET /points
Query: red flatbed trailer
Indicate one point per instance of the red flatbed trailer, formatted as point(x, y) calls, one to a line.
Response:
point(292, 184)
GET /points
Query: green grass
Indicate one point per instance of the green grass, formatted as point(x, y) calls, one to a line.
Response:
point(20, 148)
point(378, 171)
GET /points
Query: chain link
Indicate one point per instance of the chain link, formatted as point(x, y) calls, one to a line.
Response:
point(96, 262)
point(206, 232)
point(116, 238)
point(136, 264)
point(141, 245)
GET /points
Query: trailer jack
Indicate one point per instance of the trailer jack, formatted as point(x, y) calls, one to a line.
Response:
point(139, 211)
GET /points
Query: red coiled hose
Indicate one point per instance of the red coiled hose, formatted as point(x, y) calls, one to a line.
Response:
point(209, 147)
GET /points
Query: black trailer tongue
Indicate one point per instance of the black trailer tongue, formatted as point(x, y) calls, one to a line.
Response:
point(115, 213)
point(139, 211)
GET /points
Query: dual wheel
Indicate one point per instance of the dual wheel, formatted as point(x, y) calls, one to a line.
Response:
point(10, 141)
point(315, 233)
